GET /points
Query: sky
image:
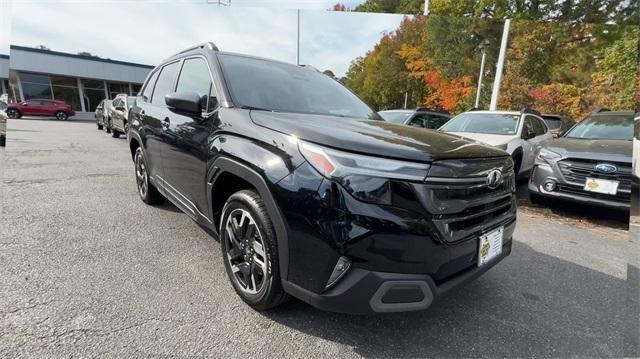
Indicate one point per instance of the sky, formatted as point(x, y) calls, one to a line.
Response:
point(147, 32)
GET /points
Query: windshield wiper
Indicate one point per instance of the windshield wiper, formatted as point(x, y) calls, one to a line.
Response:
point(256, 108)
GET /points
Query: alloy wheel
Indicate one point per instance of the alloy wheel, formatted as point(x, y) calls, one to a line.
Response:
point(61, 116)
point(246, 252)
point(142, 178)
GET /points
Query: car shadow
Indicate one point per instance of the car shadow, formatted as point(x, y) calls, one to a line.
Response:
point(530, 305)
point(578, 212)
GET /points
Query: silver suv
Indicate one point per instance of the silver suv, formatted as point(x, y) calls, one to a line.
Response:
point(521, 134)
point(118, 117)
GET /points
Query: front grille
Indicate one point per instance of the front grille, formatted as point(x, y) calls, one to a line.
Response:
point(464, 206)
point(576, 170)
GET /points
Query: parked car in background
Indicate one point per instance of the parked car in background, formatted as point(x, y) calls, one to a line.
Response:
point(101, 113)
point(117, 121)
point(420, 117)
point(591, 163)
point(635, 180)
point(317, 196)
point(557, 124)
point(40, 107)
point(3, 128)
point(521, 134)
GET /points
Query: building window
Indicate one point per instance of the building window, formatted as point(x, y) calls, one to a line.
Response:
point(35, 86)
point(135, 88)
point(116, 88)
point(66, 89)
point(93, 93)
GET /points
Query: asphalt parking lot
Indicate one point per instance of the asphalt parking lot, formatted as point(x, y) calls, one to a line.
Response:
point(88, 270)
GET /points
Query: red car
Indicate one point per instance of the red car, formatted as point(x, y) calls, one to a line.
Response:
point(40, 107)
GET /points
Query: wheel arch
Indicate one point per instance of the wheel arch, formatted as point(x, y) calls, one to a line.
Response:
point(224, 166)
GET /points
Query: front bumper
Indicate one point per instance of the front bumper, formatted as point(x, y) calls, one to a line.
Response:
point(567, 191)
point(363, 291)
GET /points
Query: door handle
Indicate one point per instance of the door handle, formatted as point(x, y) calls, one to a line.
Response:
point(166, 122)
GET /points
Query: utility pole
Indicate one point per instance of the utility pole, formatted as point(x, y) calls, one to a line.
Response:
point(500, 66)
point(483, 47)
point(426, 7)
point(298, 41)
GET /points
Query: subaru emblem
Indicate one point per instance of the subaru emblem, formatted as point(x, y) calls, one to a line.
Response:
point(606, 168)
point(494, 179)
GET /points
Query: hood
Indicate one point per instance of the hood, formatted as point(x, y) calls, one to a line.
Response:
point(486, 138)
point(605, 150)
point(377, 138)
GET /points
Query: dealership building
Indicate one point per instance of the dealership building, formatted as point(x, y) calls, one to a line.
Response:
point(80, 80)
point(4, 74)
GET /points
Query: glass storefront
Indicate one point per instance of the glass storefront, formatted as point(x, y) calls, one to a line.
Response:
point(66, 89)
point(93, 93)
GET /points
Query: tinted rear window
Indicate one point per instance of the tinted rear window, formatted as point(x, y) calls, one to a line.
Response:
point(395, 116)
point(553, 122)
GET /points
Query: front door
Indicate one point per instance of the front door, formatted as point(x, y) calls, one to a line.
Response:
point(186, 145)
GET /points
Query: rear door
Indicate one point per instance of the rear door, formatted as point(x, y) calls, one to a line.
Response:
point(539, 135)
point(32, 108)
point(186, 145)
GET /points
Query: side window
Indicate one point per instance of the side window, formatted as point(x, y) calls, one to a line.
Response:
point(417, 121)
point(195, 77)
point(538, 129)
point(528, 130)
point(33, 103)
point(165, 83)
point(541, 127)
point(148, 89)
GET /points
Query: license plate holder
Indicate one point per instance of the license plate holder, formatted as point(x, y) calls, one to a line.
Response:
point(490, 246)
point(599, 185)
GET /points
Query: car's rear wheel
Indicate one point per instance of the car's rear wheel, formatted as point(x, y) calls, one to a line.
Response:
point(115, 133)
point(148, 192)
point(13, 114)
point(61, 116)
point(250, 251)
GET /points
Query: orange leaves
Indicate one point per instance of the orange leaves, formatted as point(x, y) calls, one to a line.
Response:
point(558, 98)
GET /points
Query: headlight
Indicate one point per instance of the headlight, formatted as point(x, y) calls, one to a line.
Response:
point(546, 155)
point(366, 177)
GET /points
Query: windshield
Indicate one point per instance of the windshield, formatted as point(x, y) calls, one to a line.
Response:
point(274, 86)
point(604, 127)
point(552, 122)
point(489, 123)
point(395, 116)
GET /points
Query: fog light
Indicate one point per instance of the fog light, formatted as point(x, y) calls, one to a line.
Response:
point(340, 269)
point(549, 185)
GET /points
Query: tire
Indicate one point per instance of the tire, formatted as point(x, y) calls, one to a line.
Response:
point(3, 141)
point(146, 190)
point(251, 261)
point(107, 125)
point(61, 116)
point(517, 162)
point(13, 114)
point(100, 127)
point(115, 133)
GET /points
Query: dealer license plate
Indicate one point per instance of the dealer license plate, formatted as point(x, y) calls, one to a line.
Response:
point(490, 246)
point(601, 186)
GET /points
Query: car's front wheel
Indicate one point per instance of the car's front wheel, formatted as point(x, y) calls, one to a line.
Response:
point(148, 192)
point(250, 251)
point(61, 116)
point(13, 114)
point(107, 125)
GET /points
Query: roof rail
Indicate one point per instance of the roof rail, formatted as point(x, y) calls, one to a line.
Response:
point(530, 110)
point(601, 109)
point(443, 111)
point(208, 45)
point(474, 109)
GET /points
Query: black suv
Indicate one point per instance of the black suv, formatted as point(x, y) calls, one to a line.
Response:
point(310, 193)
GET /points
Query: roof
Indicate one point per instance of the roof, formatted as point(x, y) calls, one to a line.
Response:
point(621, 113)
point(498, 112)
point(75, 56)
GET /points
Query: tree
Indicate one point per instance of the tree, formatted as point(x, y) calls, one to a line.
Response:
point(329, 73)
point(392, 6)
point(84, 53)
point(339, 7)
point(42, 47)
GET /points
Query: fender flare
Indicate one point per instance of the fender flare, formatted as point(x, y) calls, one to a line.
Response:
point(227, 165)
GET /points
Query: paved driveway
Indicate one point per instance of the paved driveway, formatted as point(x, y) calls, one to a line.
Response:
point(86, 269)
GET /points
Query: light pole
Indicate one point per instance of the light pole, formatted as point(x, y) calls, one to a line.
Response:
point(483, 47)
point(500, 66)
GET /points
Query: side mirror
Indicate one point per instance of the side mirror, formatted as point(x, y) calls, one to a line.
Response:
point(187, 101)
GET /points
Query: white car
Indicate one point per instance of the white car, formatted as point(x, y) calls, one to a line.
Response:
point(521, 134)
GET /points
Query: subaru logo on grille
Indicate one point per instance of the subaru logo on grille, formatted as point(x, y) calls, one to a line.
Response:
point(494, 179)
point(606, 168)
